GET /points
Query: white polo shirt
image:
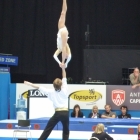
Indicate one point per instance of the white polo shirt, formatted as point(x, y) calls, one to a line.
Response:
point(59, 99)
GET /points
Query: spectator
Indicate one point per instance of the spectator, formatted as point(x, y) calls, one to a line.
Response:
point(124, 114)
point(135, 78)
point(94, 113)
point(100, 134)
point(77, 112)
point(108, 113)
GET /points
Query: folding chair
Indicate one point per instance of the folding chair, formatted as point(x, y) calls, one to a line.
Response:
point(22, 127)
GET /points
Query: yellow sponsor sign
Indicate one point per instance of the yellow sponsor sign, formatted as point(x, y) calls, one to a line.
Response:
point(86, 96)
point(25, 94)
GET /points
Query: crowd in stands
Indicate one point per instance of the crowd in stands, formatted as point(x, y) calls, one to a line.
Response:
point(99, 133)
point(77, 113)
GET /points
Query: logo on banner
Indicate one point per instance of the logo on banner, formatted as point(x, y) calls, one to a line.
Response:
point(118, 97)
point(25, 94)
point(33, 93)
point(86, 95)
point(36, 93)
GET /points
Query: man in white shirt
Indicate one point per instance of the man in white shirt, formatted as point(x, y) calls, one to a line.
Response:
point(59, 97)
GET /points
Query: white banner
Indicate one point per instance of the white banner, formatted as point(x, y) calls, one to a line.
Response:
point(84, 95)
point(22, 89)
point(38, 107)
point(87, 95)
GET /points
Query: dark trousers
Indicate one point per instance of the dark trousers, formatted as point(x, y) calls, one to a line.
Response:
point(62, 116)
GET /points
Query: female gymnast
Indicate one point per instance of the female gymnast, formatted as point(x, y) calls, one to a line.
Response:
point(62, 39)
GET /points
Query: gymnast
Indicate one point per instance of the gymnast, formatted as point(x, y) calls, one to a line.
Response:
point(62, 39)
point(59, 96)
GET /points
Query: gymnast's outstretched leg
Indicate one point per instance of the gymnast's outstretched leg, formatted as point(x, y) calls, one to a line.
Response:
point(64, 32)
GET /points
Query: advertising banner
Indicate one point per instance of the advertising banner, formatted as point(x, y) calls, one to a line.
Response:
point(39, 105)
point(86, 96)
point(22, 90)
point(8, 60)
point(123, 95)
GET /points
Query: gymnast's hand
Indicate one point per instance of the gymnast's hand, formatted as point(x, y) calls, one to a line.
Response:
point(63, 66)
point(27, 83)
point(66, 65)
point(60, 65)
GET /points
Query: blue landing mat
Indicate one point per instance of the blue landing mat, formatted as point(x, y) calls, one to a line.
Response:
point(93, 121)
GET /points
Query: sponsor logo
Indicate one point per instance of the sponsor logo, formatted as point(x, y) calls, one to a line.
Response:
point(118, 97)
point(36, 93)
point(86, 95)
point(25, 94)
point(33, 93)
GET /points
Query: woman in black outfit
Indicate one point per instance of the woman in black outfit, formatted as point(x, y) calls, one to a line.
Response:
point(77, 112)
point(100, 134)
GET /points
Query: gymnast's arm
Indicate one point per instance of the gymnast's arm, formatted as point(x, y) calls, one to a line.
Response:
point(63, 72)
point(42, 89)
point(57, 52)
point(64, 79)
point(31, 84)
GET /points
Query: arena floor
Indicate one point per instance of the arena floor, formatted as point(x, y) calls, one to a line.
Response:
point(57, 135)
point(6, 133)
